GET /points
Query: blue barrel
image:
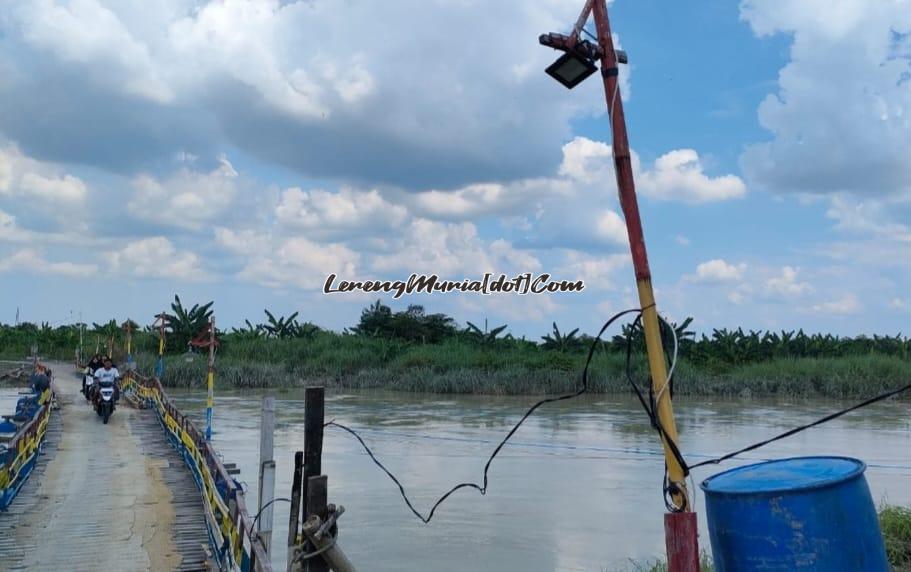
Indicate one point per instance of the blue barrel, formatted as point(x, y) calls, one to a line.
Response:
point(805, 513)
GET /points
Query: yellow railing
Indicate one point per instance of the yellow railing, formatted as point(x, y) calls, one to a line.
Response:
point(26, 444)
point(228, 522)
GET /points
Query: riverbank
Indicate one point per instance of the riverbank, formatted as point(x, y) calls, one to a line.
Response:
point(499, 373)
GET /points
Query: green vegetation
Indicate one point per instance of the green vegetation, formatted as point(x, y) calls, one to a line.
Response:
point(896, 525)
point(705, 565)
point(412, 350)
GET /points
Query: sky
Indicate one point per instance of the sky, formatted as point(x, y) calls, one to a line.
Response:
point(242, 150)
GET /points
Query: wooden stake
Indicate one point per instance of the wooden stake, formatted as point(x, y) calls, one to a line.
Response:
point(332, 554)
point(317, 505)
point(314, 402)
point(267, 495)
point(680, 535)
point(266, 470)
point(294, 517)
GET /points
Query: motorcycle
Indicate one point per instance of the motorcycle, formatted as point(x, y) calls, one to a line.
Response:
point(87, 380)
point(105, 397)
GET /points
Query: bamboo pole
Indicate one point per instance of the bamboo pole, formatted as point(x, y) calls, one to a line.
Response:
point(687, 558)
point(332, 552)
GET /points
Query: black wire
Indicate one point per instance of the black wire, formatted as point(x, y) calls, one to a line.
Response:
point(825, 419)
point(483, 488)
point(648, 405)
point(268, 504)
point(668, 488)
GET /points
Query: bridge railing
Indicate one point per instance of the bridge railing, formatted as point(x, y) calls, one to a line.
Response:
point(17, 461)
point(228, 522)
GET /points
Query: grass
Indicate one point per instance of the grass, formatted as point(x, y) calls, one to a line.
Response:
point(705, 565)
point(458, 367)
point(896, 526)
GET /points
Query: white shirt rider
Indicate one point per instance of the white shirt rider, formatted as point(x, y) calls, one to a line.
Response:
point(106, 374)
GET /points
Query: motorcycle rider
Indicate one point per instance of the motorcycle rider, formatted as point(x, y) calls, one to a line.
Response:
point(94, 364)
point(107, 373)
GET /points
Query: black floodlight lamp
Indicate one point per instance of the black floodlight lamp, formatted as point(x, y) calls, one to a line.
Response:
point(578, 61)
point(571, 69)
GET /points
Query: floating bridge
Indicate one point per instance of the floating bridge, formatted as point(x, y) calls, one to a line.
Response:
point(146, 492)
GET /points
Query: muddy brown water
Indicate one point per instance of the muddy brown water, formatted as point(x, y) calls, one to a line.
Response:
point(578, 489)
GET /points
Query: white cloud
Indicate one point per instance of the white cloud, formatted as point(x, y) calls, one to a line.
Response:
point(187, 199)
point(452, 250)
point(589, 161)
point(156, 257)
point(835, 132)
point(482, 199)
point(85, 31)
point(867, 216)
point(786, 284)
point(343, 213)
point(717, 270)
point(9, 230)
point(30, 260)
point(596, 271)
point(313, 86)
point(682, 240)
point(847, 304)
point(24, 177)
point(613, 228)
point(296, 262)
point(678, 175)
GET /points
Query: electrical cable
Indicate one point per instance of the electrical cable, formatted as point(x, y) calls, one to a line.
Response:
point(795, 430)
point(649, 405)
point(265, 506)
point(483, 488)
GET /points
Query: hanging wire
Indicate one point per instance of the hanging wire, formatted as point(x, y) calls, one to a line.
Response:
point(482, 488)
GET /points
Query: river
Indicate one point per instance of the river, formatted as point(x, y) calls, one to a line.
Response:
point(578, 489)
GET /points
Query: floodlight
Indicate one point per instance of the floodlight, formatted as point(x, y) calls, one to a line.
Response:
point(571, 69)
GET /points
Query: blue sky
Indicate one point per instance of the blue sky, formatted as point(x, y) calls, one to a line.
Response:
point(241, 150)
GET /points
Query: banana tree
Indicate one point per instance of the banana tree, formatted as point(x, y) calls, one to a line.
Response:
point(183, 325)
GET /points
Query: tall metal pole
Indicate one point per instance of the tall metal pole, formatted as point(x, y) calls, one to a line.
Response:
point(210, 379)
point(650, 324)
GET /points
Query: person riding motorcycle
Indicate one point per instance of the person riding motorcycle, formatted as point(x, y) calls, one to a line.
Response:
point(94, 364)
point(107, 373)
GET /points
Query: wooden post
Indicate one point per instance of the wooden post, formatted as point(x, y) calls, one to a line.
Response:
point(317, 505)
point(266, 470)
point(267, 496)
point(210, 379)
point(680, 534)
point(296, 481)
point(314, 401)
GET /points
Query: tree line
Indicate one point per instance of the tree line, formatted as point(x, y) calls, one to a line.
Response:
point(414, 325)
